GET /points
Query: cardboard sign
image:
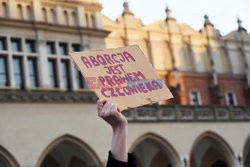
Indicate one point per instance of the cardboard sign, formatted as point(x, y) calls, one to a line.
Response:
point(122, 75)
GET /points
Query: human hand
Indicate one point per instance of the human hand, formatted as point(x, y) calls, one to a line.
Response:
point(111, 114)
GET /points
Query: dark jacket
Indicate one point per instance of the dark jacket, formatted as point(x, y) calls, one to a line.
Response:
point(115, 163)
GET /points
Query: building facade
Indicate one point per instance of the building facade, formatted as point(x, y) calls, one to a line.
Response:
point(202, 67)
point(48, 117)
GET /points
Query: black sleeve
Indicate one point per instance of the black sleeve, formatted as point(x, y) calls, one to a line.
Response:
point(115, 163)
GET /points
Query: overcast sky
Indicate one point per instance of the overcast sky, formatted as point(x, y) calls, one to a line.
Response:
point(222, 13)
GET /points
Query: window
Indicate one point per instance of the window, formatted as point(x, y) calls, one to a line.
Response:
point(18, 72)
point(33, 76)
point(76, 47)
point(65, 74)
point(63, 49)
point(80, 80)
point(195, 98)
point(16, 45)
point(231, 98)
point(30, 46)
point(51, 49)
point(53, 73)
point(3, 72)
point(3, 45)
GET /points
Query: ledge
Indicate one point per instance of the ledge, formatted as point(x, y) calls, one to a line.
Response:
point(9, 22)
point(147, 114)
point(177, 113)
point(47, 97)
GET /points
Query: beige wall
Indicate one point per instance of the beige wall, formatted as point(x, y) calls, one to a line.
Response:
point(32, 127)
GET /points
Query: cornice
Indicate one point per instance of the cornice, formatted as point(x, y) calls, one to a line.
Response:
point(47, 97)
point(206, 75)
point(180, 113)
point(73, 4)
point(52, 27)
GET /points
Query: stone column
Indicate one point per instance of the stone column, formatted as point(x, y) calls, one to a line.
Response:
point(98, 20)
point(37, 10)
point(43, 67)
point(25, 66)
point(10, 64)
point(85, 42)
point(81, 17)
point(12, 8)
point(59, 12)
point(59, 68)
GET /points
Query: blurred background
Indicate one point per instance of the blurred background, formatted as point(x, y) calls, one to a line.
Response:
point(201, 49)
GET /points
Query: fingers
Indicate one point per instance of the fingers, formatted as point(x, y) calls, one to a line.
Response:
point(113, 109)
point(100, 104)
point(109, 109)
point(106, 108)
point(101, 101)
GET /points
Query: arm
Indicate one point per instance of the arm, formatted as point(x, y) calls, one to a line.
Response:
point(110, 113)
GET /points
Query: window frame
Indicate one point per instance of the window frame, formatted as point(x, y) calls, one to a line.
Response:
point(21, 69)
point(55, 83)
point(80, 80)
point(33, 48)
point(6, 70)
point(36, 74)
point(68, 84)
point(53, 49)
point(65, 47)
point(234, 98)
point(19, 45)
point(4, 39)
point(199, 99)
point(74, 45)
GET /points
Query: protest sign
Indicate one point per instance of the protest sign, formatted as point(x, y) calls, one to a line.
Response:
point(122, 75)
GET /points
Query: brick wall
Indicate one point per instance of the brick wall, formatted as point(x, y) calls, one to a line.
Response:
point(203, 83)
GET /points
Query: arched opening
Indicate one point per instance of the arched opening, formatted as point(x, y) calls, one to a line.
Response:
point(93, 20)
point(66, 17)
point(68, 151)
point(29, 13)
point(151, 150)
point(20, 11)
point(3, 10)
point(210, 150)
point(246, 153)
point(44, 13)
point(87, 19)
point(53, 16)
point(73, 19)
point(6, 159)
